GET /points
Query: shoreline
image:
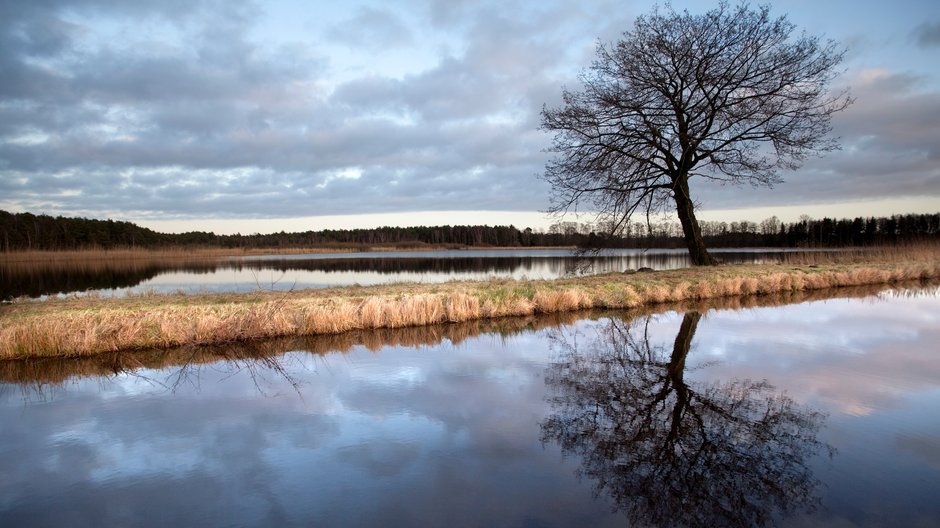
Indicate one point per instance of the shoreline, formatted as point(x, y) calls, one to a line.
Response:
point(89, 326)
point(197, 253)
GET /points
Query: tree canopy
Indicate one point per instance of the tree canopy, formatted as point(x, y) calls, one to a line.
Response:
point(730, 95)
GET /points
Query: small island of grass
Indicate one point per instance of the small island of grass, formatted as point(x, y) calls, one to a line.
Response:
point(82, 326)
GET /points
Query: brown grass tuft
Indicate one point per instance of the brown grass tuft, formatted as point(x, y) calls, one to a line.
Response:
point(560, 301)
point(461, 307)
point(656, 294)
point(703, 290)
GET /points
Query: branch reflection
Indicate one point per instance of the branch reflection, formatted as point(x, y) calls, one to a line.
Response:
point(672, 452)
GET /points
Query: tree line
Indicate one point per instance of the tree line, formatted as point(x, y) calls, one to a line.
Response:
point(26, 231)
point(771, 232)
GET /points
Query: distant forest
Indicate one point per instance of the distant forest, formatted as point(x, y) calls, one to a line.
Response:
point(25, 231)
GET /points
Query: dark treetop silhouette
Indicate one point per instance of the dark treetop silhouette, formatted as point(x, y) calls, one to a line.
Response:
point(673, 453)
point(729, 95)
point(25, 231)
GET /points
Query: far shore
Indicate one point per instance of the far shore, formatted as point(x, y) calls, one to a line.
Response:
point(139, 253)
point(83, 326)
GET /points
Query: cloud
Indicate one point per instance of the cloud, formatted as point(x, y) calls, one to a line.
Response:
point(233, 127)
point(196, 109)
point(927, 35)
point(375, 29)
point(890, 147)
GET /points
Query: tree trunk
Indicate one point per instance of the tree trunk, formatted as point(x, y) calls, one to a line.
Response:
point(690, 228)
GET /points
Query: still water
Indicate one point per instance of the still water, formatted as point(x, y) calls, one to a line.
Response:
point(285, 272)
point(822, 413)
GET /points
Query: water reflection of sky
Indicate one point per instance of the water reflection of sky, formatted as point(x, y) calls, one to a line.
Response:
point(856, 356)
point(248, 280)
point(284, 272)
point(449, 433)
point(872, 365)
point(301, 271)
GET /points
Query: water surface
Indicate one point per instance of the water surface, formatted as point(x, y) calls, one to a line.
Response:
point(825, 412)
point(285, 272)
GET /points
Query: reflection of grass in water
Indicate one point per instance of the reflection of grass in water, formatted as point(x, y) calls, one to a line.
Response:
point(78, 327)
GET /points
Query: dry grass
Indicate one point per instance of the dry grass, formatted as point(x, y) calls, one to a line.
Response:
point(80, 327)
point(55, 370)
point(560, 301)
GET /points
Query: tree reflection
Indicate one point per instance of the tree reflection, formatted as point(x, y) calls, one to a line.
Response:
point(675, 453)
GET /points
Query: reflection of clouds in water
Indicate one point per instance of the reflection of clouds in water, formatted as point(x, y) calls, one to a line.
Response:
point(434, 434)
point(475, 388)
point(926, 448)
point(454, 427)
point(189, 449)
point(862, 356)
point(380, 459)
point(138, 503)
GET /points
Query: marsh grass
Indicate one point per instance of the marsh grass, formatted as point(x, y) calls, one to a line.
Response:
point(37, 374)
point(87, 326)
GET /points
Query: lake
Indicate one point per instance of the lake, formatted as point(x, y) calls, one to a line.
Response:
point(822, 413)
point(285, 272)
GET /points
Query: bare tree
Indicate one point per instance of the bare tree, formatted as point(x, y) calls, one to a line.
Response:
point(731, 95)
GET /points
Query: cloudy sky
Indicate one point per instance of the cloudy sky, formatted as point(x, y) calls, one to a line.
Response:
point(254, 117)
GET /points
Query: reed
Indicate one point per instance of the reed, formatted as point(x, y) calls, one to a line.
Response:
point(81, 327)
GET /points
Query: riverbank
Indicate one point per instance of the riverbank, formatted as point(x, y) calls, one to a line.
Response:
point(87, 326)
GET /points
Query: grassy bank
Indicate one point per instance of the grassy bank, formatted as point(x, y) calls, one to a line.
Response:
point(266, 353)
point(80, 327)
